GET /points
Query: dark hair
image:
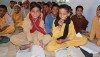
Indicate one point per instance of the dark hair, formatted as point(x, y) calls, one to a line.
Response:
point(47, 4)
point(67, 21)
point(12, 1)
point(20, 3)
point(99, 6)
point(15, 2)
point(34, 4)
point(79, 7)
point(4, 7)
point(55, 5)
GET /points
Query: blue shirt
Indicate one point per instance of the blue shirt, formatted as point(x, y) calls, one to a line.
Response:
point(48, 23)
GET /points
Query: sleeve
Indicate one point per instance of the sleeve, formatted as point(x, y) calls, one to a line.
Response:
point(19, 21)
point(72, 33)
point(47, 26)
point(8, 30)
point(26, 29)
point(92, 31)
point(9, 20)
point(54, 30)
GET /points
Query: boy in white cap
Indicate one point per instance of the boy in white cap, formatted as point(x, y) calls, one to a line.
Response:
point(25, 9)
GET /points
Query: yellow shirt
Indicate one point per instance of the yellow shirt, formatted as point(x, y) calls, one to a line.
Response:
point(2, 22)
point(95, 29)
point(17, 18)
point(57, 33)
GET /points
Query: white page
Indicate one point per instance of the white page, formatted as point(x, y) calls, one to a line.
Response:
point(23, 53)
point(75, 52)
point(91, 48)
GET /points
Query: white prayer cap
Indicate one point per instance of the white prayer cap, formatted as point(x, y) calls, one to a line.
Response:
point(25, 1)
point(17, 5)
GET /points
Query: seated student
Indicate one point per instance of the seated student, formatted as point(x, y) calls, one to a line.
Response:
point(46, 10)
point(6, 24)
point(33, 27)
point(50, 17)
point(63, 31)
point(10, 8)
point(17, 16)
point(79, 21)
point(25, 8)
point(95, 29)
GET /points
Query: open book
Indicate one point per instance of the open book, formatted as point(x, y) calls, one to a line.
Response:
point(37, 51)
point(91, 48)
point(69, 52)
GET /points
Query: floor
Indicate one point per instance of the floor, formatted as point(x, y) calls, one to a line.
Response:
point(12, 50)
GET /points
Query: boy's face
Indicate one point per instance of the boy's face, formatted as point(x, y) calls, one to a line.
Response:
point(26, 5)
point(2, 12)
point(35, 12)
point(12, 4)
point(98, 12)
point(63, 13)
point(79, 11)
point(17, 9)
point(54, 10)
point(45, 7)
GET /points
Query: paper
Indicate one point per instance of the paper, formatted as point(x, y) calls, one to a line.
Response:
point(78, 35)
point(23, 53)
point(37, 51)
point(62, 53)
point(69, 52)
point(91, 48)
point(75, 52)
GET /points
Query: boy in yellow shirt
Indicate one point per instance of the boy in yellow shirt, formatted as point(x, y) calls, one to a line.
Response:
point(95, 29)
point(17, 17)
point(6, 23)
point(63, 31)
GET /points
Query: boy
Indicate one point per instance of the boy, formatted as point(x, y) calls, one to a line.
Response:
point(95, 29)
point(10, 8)
point(25, 9)
point(17, 17)
point(6, 24)
point(80, 22)
point(50, 17)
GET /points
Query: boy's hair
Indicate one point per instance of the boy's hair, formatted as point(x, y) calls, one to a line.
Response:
point(67, 7)
point(12, 1)
point(79, 7)
point(15, 2)
point(55, 5)
point(4, 7)
point(47, 4)
point(98, 6)
point(32, 5)
point(20, 3)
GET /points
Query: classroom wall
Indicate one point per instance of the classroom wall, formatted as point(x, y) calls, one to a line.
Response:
point(89, 7)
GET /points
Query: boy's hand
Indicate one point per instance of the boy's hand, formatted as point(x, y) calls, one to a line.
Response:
point(4, 28)
point(41, 43)
point(60, 41)
point(60, 22)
